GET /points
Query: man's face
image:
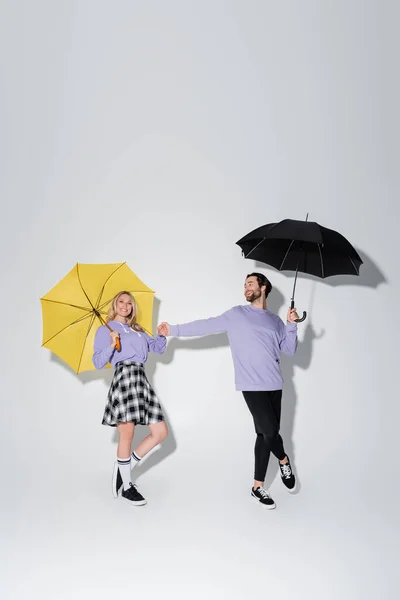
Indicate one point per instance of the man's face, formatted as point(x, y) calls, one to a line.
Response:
point(252, 290)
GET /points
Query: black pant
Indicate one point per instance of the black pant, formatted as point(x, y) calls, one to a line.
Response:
point(265, 408)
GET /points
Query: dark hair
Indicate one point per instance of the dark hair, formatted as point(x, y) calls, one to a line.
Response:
point(262, 280)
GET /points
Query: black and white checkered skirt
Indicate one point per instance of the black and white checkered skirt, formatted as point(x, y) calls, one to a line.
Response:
point(131, 398)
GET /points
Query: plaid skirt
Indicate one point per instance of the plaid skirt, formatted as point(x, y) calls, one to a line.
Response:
point(131, 399)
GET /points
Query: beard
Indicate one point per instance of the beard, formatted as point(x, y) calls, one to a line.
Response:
point(253, 296)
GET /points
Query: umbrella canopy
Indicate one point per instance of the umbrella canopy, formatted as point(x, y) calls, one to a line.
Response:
point(73, 309)
point(301, 246)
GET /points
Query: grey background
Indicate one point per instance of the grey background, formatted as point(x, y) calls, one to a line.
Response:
point(159, 133)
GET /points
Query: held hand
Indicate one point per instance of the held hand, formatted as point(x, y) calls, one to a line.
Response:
point(114, 338)
point(164, 329)
point(292, 315)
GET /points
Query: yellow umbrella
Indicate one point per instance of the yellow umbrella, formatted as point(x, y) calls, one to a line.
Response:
point(73, 310)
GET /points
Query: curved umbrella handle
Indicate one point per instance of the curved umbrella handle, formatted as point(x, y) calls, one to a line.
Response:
point(303, 318)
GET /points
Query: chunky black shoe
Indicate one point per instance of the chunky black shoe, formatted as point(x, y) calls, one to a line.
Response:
point(116, 481)
point(287, 476)
point(263, 497)
point(133, 496)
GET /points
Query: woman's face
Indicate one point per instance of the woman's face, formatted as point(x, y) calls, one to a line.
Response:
point(124, 306)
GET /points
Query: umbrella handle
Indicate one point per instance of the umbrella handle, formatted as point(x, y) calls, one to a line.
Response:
point(303, 318)
point(118, 344)
point(117, 341)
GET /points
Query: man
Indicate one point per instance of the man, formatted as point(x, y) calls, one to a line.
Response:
point(256, 337)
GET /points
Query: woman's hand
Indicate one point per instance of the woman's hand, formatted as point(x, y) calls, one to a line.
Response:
point(114, 338)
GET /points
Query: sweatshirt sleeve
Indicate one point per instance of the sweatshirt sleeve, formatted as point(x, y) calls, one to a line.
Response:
point(156, 344)
point(202, 327)
point(102, 348)
point(288, 343)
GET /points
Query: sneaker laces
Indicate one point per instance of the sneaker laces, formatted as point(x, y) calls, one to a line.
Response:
point(286, 471)
point(263, 492)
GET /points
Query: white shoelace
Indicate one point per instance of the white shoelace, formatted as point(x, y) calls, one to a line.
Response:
point(263, 492)
point(286, 471)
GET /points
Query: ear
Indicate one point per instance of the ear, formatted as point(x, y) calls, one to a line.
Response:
point(264, 289)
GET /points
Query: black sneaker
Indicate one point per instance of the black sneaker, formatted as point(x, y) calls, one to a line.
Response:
point(287, 476)
point(263, 497)
point(116, 481)
point(133, 496)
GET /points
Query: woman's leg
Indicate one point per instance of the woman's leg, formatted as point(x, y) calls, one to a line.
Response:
point(126, 432)
point(158, 433)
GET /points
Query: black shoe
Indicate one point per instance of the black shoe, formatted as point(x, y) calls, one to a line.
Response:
point(116, 481)
point(263, 497)
point(133, 496)
point(287, 476)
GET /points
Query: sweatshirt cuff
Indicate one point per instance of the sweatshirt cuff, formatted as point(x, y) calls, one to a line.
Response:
point(290, 325)
point(174, 330)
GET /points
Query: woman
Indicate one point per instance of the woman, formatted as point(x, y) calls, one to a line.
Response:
point(131, 399)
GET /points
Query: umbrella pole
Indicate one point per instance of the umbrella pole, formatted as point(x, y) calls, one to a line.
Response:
point(294, 289)
point(294, 286)
point(118, 341)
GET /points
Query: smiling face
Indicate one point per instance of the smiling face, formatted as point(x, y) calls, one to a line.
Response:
point(123, 307)
point(252, 290)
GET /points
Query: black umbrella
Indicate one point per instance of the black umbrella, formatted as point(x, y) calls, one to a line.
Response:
point(301, 246)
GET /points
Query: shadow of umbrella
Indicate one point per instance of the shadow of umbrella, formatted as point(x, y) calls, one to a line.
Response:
point(370, 275)
point(105, 375)
point(301, 360)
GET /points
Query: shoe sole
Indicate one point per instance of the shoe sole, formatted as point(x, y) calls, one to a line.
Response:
point(291, 490)
point(115, 492)
point(133, 503)
point(267, 506)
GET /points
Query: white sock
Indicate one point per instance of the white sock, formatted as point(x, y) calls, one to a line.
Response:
point(124, 465)
point(136, 459)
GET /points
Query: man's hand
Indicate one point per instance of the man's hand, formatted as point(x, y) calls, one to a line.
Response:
point(164, 329)
point(292, 315)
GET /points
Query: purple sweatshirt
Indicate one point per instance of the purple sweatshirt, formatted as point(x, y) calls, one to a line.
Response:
point(135, 345)
point(256, 337)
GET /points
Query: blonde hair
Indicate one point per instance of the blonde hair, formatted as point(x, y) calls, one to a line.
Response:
point(131, 319)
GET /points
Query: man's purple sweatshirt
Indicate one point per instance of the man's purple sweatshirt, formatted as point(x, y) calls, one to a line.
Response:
point(256, 337)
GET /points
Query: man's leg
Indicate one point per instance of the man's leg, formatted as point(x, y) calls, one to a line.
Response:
point(267, 429)
point(277, 448)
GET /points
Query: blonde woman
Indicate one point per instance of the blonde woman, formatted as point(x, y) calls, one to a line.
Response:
point(131, 399)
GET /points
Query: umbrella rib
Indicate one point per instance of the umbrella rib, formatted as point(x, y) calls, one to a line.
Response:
point(66, 304)
point(66, 327)
point(86, 337)
point(106, 281)
point(355, 268)
point(322, 262)
point(107, 301)
point(285, 257)
point(256, 246)
point(80, 283)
